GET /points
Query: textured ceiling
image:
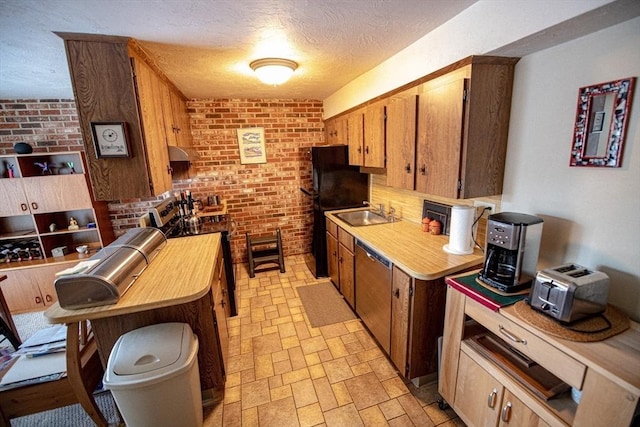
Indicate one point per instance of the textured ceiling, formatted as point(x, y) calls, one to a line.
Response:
point(205, 46)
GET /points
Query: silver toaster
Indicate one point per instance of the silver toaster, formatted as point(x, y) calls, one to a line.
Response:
point(569, 292)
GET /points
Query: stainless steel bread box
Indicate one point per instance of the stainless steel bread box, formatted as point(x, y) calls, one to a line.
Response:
point(113, 270)
point(570, 292)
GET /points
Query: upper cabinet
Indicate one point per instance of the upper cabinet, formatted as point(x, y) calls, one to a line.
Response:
point(366, 129)
point(444, 134)
point(336, 131)
point(401, 140)
point(114, 82)
point(463, 121)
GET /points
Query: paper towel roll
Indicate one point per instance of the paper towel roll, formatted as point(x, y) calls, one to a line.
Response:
point(460, 241)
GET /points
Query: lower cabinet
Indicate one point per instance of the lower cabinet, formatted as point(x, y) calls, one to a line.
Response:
point(417, 318)
point(221, 308)
point(482, 398)
point(341, 261)
point(484, 390)
point(31, 289)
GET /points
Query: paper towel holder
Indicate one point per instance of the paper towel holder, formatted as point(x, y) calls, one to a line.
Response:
point(460, 238)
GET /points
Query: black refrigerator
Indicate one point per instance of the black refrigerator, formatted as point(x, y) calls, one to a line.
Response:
point(336, 185)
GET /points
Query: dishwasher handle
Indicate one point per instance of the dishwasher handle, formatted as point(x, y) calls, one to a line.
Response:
point(373, 255)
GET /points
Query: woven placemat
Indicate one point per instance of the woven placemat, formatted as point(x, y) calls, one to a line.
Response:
point(587, 330)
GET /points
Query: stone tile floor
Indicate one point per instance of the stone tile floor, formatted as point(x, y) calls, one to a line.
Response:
point(282, 372)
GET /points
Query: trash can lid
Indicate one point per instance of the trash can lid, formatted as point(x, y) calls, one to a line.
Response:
point(151, 348)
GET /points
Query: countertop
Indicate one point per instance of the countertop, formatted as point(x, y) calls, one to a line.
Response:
point(417, 253)
point(182, 272)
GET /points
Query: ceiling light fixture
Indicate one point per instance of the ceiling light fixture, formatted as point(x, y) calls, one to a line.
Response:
point(273, 71)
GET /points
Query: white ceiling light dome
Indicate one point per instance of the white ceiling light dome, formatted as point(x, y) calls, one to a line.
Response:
point(274, 71)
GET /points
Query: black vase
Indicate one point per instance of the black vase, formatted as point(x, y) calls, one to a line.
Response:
point(22, 148)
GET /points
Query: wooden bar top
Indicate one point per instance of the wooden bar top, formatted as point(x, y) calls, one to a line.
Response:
point(181, 273)
point(417, 253)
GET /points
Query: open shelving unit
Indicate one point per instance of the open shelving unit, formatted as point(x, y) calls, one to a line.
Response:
point(44, 191)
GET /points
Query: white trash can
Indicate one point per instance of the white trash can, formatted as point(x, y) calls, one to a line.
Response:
point(153, 375)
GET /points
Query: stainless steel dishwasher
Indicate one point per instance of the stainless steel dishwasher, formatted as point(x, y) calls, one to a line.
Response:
point(373, 293)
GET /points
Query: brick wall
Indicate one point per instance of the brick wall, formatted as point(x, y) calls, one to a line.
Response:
point(259, 197)
point(45, 124)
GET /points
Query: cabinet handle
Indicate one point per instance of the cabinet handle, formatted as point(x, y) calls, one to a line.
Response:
point(34, 206)
point(24, 207)
point(366, 150)
point(408, 168)
point(222, 303)
point(512, 337)
point(359, 150)
point(423, 170)
point(506, 412)
point(397, 293)
point(169, 169)
point(340, 260)
point(491, 401)
point(48, 298)
point(38, 300)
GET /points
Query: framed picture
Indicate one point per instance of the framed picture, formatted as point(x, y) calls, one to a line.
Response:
point(601, 120)
point(251, 144)
point(110, 139)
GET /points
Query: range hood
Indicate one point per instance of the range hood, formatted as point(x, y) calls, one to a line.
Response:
point(182, 154)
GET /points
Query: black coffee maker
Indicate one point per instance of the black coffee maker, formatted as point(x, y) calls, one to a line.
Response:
point(511, 251)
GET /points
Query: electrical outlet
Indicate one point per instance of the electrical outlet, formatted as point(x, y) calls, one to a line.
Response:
point(479, 205)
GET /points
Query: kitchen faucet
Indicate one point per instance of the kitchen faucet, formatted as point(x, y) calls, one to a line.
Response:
point(380, 208)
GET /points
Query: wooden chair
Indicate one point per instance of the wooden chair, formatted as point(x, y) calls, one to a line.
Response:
point(264, 250)
point(84, 373)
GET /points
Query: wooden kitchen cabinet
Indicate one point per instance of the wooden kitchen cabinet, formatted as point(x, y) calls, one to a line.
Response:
point(355, 129)
point(482, 398)
point(35, 202)
point(401, 140)
point(374, 135)
point(221, 307)
point(463, 122)
point(417, 316)
point(31, 289)
point(366, 129)
point(336, 131)
point(114, 81)
point(177, 125)
point(341, 260)
point(482, 393)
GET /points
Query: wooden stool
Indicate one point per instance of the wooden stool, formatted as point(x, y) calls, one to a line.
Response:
point(264, 250)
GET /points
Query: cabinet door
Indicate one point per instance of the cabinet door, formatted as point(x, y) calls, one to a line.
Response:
point(400, 311)
point(21, 291)
point(374, 142)
point(332, 260)
point(31, 289)
point(515, 413)
point(15, 201)
point(346, 261)
point(355, 124)
point(180, 124)
point(478, 394)
point(220, 309)
point(56, 193)
point(440, 124)
point(150, 102)
point(336, 131)
point(401, 141)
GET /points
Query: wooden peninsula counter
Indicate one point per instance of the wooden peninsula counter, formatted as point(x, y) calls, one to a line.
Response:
point(184, 283)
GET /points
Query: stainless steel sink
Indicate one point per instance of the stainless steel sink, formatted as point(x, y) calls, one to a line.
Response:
point(362, 218)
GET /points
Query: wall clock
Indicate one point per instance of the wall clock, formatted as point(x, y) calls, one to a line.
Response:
point(110, 139)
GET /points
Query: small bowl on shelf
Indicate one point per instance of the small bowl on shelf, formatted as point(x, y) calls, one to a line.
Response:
point(82, 249)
